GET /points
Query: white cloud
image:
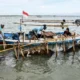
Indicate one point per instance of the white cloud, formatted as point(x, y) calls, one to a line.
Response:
point(39, 6)
point(66, 7)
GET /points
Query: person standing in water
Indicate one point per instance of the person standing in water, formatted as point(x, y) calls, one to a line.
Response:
point(1, 34)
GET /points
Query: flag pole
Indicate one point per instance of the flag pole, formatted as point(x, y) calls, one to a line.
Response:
point(21, 21)
point(20, 25)
point(22, 18)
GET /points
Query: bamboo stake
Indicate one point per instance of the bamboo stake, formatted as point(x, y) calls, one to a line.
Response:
point(22, 52)
point(16, 55)
point(63, 43)
point(73, 37)
point(23, 43)
point(64, 48)
point(20, 49)
point(47, 48)
point(56, 49)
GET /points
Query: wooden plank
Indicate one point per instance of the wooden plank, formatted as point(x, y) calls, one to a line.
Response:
point(48, 21)
point(49, 25)
point(5, 50)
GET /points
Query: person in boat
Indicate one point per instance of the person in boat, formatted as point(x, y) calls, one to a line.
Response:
point(37, 31)
point(67, 32)
point(15, 36)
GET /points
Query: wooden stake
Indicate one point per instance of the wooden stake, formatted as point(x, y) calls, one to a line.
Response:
point(63, 44)
point(22, 52)
point(20, 49)
point(47, 48)
point(16, 55)
point(64, 48)
point(73, 37)
point(56, 49)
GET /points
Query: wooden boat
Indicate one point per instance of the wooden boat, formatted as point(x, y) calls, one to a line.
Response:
point(14, 38)
point(57, 38)
point(59, 42)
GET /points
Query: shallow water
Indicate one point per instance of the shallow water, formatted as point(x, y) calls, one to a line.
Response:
point(38, 67)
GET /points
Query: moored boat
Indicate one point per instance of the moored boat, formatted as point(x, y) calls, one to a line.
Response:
point(9, 39)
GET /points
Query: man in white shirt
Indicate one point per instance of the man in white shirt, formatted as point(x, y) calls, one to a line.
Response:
point(1, 27)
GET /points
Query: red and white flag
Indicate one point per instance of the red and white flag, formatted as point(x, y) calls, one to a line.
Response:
point(25, 13)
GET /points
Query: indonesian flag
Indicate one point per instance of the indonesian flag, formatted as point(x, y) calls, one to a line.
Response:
point(25, 13)
point(24, 16)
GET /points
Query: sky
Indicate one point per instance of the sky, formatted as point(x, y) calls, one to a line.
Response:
point(39, 7)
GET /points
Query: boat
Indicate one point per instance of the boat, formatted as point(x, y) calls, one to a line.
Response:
point(23, 38)
point(56, 39)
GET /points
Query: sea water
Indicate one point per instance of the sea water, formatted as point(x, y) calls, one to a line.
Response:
point(38, 67)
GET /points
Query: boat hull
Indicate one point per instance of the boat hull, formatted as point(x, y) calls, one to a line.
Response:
point(39, 42)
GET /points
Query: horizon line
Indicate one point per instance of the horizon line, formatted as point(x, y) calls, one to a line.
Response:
point(63, 15)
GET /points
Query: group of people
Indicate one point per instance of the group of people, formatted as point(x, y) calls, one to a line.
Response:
point(39, 32)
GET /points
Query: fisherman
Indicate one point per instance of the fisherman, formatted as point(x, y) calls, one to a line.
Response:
point(1, 34)
point(37, 31)
point(67, 32)
point(15, 36)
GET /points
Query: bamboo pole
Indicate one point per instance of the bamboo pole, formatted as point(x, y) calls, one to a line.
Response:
point(5, 50)
point(8, 44)
point(16, 54)
point(56, 48)
point(15, 46)
point(47, 48)
point(73, 38)
point(20, 50)
point(23, 44)
point(47, 21)
point(64, 48)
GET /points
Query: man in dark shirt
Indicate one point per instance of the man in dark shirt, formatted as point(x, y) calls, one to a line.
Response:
point(67, 32)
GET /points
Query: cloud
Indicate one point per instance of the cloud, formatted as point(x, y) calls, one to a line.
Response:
point(39, 6)
point(65, 7)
